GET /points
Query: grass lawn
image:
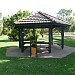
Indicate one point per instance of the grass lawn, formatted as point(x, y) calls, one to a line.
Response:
point(70, 42)
point(67, 41)
point(34, 66)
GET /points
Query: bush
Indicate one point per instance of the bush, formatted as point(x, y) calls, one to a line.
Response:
point(13, 35)
point(1, 29)
point(27, 34)
point(8, 23)
point(5, 30)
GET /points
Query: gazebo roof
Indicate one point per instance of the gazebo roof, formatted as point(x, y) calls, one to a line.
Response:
point(40, 18)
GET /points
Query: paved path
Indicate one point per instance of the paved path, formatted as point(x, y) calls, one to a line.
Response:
point(56, 52)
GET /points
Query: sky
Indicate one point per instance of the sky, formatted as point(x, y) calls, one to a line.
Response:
point(10, 7)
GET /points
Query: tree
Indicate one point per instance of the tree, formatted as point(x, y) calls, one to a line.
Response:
point(64, 14)
point(72, 28)
point(67, 15)
point(8, 23)
point(1, 24)
point(9, 26)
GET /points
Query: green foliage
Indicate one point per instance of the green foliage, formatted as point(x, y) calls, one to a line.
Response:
point(1, 27)
point(5, 30)
point(72, 28)
point(13, 35)
point(68, 15)
point(8, 23)
point(26, 13)
point(64, 14)
point(56, 30)
point(44, 31)
point(29, 33)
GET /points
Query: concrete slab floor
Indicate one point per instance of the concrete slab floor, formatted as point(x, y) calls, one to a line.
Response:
point(56, 52)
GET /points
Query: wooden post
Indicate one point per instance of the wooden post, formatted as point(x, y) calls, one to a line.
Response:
point(36, 44)
point(22, 40)
point(51, 36)
point(62, 37)
point(34, 32)
point(30, 46)
point(19, 35)
point(34, 39)
point(49, 40)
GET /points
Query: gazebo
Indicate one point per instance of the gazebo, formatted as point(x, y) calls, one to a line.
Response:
point(40, 20)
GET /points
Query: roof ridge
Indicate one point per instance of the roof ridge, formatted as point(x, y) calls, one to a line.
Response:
point(44, 15)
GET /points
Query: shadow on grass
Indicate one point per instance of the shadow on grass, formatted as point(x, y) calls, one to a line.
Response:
point(7, 41)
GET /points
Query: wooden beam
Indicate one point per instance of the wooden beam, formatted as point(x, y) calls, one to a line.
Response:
point(39, 25)
point(34, 32)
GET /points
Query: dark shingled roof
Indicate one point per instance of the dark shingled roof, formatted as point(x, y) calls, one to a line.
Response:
point(40, 17)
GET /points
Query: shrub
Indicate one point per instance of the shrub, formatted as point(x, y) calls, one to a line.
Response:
point(13, 35)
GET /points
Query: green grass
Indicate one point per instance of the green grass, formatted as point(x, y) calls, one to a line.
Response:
point(43, 39)
point(67, 41)
point(34, 66)
point(70, 42)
